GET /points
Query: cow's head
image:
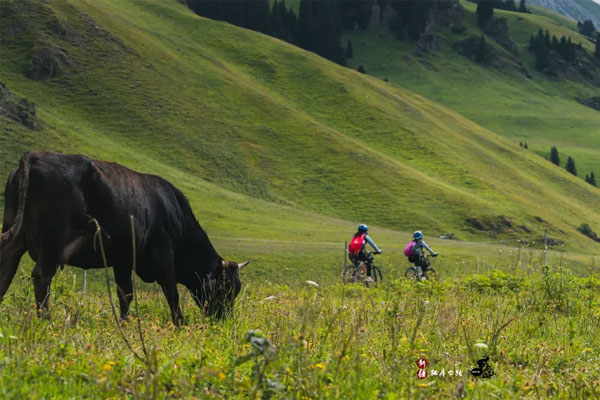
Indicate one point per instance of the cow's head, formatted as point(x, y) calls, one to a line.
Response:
point(217, 292)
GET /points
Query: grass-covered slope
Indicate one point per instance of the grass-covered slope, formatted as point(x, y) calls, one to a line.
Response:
point(248, 125)
point(536, 109)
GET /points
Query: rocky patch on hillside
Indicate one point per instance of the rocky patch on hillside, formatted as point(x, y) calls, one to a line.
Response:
point(17, 108)
point(586, 230)
point(47, 61)
point(584, 69)
point(593, 102)
point(495, 225)
point(488, 55)
point(497, 29)
point(447, 14)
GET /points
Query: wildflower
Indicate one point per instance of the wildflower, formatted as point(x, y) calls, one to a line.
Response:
point(481, 345)
point(221, 376)
point(107, 367)
point(320, 365)
point(313, 283)
point(270, 298)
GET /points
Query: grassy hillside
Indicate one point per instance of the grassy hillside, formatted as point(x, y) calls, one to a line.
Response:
point(538, 110)
point(281, 153)
point(152, 85)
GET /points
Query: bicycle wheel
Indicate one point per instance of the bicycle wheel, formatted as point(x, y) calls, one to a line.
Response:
point(376, 275)
point(431, 274)
point(411, 273)
point(349, 274)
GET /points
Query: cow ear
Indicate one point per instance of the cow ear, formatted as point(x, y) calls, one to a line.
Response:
point(240, 266)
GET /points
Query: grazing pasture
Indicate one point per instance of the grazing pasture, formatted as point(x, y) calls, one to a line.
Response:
point(538, 325)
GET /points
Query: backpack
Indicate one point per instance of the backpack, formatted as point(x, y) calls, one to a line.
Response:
point(409, 249)
point(356, 244)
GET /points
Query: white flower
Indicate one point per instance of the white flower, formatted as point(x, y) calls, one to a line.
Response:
point(481, 345)
point(426, 302)
point(312, 283)
point(270, 298)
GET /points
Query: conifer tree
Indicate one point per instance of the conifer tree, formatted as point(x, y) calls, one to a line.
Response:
point(485, 11)
point(587, 28)
point(349, 52)
point(523, 7)
point(597, 52)
point(480, 54)
point(592, 179)
point(510, 5)
point(554, 157)
point(570, 167)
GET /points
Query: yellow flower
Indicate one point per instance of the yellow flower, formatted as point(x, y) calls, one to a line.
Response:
point(404, 339)
point(471, 385)
point(107, 367)
point(221, 376)
point(319, 365)
point(422, 384)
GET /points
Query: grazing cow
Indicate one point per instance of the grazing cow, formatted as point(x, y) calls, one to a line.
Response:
point(50, 205)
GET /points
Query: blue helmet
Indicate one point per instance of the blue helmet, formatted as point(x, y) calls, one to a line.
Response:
point(418, 235)
point(363, 228)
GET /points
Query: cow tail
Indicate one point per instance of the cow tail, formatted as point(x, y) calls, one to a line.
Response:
point(17, 227)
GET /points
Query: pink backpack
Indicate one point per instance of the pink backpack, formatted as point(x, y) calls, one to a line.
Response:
point(409, 249)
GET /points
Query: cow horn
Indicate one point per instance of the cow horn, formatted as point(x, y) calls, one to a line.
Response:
point(240, 266)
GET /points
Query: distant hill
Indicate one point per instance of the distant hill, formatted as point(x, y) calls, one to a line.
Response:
point(579, 10)
point(271, 141)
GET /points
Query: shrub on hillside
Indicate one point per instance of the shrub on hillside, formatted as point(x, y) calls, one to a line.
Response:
point(494, 281)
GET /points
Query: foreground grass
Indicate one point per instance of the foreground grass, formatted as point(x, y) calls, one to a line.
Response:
point(332, 341)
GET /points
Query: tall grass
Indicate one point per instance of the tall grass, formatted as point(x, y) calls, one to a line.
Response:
point(332, 341)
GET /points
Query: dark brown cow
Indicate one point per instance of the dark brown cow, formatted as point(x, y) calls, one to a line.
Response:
point(51, 201)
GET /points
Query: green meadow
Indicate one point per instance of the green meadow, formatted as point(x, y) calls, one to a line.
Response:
point(281, 153)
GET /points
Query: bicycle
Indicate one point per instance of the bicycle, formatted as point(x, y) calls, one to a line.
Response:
point(417, 273)
point(353, 273)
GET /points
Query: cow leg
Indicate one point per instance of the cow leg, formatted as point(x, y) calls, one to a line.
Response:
point(164, 263)
point(172, 295)
point(124, 288)
point(42, 275)
point(11, 252)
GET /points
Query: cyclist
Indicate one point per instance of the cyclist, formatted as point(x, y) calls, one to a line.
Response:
point(415, 253)
point(356, 248)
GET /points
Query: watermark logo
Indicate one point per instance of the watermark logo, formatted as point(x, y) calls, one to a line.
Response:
point(422, 371)
point(483, 370)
